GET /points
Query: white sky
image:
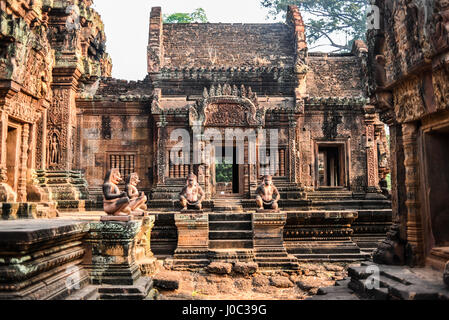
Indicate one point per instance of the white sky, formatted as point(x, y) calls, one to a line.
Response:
point(127, 26)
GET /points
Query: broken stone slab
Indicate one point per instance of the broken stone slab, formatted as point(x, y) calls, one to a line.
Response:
point(219, 268)
point(166, 281)
point(244, 268)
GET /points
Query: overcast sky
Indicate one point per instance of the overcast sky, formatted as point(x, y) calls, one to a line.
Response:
point(127, 26)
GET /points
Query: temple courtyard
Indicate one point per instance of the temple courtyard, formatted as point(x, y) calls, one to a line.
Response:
point(244, 165)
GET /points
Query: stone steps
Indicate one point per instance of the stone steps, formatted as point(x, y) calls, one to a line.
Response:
point(227, 205)
point(230, 231)
point(229, 225)
point(230, 244)
point(337, 257)
point(87, 293)
point(230, 235)
point(230, 217)
point(223, 255)
point(397, 283)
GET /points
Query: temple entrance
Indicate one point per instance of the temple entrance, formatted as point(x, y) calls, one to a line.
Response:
point(437, 158)
point(227, 172)
point(12, 156)
point(330, 166)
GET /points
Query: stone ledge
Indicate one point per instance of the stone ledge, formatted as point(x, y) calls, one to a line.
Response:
point(20, 235)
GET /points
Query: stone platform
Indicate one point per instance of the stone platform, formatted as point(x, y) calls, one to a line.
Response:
point(322, 236)
point(112, 261)
point(349, 239)
point(42, 259)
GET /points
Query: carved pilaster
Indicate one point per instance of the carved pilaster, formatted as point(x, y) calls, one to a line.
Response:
point(62, 120)
point(161, 152)
point(414, 224)
point(293, 160)
point(3, 136)
point(371, 150)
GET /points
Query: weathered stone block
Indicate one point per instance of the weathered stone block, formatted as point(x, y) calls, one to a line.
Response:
point(281, 282)
point(166, 281)
point(219, 268)
point(245, 268)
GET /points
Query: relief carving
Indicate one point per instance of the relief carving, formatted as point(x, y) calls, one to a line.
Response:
point(228, 106)
point(408, 103)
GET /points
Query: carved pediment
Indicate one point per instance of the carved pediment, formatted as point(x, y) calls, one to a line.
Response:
point(228, 107)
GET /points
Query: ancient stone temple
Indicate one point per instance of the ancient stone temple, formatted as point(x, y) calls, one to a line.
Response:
point(211, 80)
point(228, 104)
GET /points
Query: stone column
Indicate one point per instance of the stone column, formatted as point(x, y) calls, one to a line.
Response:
point(414, 223)
point(372, 163)
point(22, 186)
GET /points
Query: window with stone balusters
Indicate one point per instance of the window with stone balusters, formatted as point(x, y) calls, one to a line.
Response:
point(126, 163)
point(276, 168)
point(179, 171)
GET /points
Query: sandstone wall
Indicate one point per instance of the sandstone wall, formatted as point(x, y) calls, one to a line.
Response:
point(228, 45)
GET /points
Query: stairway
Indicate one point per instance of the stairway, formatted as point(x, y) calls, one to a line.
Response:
point(227, 205)
point(230, 231)
point(230, 237)
point(330, 194)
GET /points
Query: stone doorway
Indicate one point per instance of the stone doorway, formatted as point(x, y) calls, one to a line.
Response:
point(13, 155)
point(227, 173)
point(330, 166)
point(436, 144)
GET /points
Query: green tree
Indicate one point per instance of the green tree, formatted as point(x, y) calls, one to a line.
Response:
point(327, 19)
point(198, 16)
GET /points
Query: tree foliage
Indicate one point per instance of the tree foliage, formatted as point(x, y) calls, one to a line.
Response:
point(197, 16)
point(327, 19)
point(223, 173)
